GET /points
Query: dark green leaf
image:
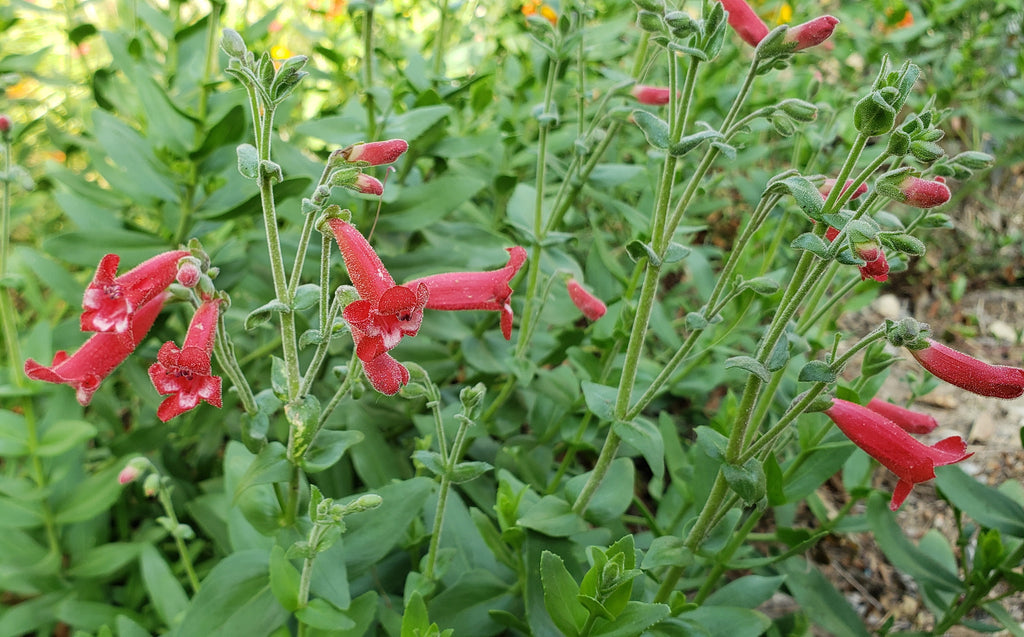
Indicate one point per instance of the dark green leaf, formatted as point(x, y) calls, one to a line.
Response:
point(263, 314)
point(269, 466)
point(748, 480)
point(667, 550)
point(638, 250)
point(64, 435)
point(90, 497)
point(320, 613)
point(552, 516)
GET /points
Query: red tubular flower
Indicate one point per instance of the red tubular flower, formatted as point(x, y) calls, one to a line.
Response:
point(376, 153)
point(922, 193)
point(911, 460)
point(812, 33)
point(475, 290)
point(386, 374)
point(957, 368)
point(745, 21)
point(99, 356)
point(877, 267)
point(651, 95)
point(592, 307)
point(385, 312)
point(906, 419)
point(185, 373)
point(110, 301)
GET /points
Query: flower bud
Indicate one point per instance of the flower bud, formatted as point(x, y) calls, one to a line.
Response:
point(232, 43)
point(368, 185)
point(974, 160)
point(799, 110)
point(811, 33)
point(873, 115)
point(922, 193)
point(130, 473)
point(5, 125)
point(152, 485)
point(926, 152)
point(650, 21)
point(188, 272)
point(376, 153)
point(656, 6)
point(592, 307)
point(651, 95)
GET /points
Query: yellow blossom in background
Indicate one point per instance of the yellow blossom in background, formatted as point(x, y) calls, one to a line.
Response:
point(279, 53)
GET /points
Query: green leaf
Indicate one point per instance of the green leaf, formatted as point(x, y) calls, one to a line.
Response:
point(419, 207)
point(727, 621)
point(638, 250)
point(711, 442)
point(667, 550)
point(263, 314)
point(905, 243)
point(85, 247)
point(615, 494)
point(235, 599)
point(13, 441)
point(824, 605)
point(269, 466)
point(749, 591)
point(415, 622)
point(303, 414)
point(470, 470)
point(16, 514)
point(748, 480)
point(1005, 619)
point(820, 464)
point(642, 435)
point(749, 364)
point(817, 372)
point(63, 436)
point(812, 243)
point(89, 498)
point(990, 507)
point(676, 252)
point(165, 592)
point(328, 447)
point(373, 534)
point(654, 128)
point(105, 560)
point(320, 613)
point(552, 516)
point(691, 142)
point(634, 620)
point(600, 399)
point(560, 595)
point(306, 296)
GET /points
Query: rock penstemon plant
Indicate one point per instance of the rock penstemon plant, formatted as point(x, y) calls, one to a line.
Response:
point(624, 457)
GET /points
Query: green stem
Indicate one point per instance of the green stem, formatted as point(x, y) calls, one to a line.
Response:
point(341, 392)
point(533, 266)
point(224, 350)
point(439, 40)
point(164, 495)
point(371, 118)
point(722, 557)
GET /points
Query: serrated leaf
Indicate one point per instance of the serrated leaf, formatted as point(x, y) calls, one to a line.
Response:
point(817, 372)
point(749, 364)
point(654, 128)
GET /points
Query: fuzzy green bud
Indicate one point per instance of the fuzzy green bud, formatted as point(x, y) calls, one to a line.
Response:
point(232, 43)
point(874, 115)
point(650, 21)
point(799, 110)
point(926, 152)
point(974, 160)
